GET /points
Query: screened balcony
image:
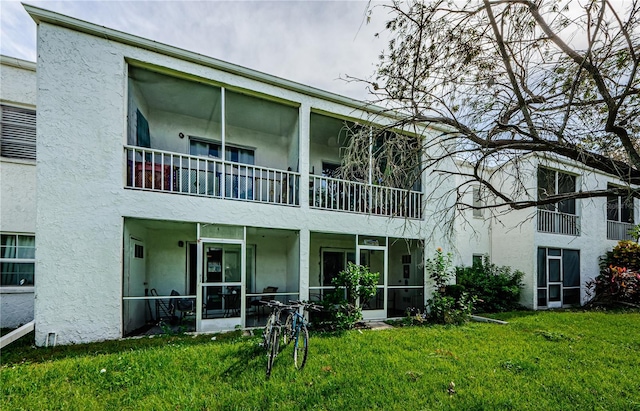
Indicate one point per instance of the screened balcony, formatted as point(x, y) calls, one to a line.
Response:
point(157, 170)
point(620, 216)
point(371, 188)
point(561, 217)
point(187, 135)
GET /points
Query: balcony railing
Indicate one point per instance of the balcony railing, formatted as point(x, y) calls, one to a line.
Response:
point(157, 170)
point(618, 231)
point(558, 223)
point(341, 195)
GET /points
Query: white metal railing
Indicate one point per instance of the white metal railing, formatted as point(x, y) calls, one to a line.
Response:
point(558, 223)
point(157, 170)
point(333, 194)
point(618, 231)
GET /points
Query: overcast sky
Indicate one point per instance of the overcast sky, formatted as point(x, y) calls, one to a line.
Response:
point(312, 42)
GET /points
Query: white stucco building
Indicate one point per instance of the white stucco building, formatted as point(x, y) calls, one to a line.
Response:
point(165, 177)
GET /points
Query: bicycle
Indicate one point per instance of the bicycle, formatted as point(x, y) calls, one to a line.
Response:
point(295, 329)
point(271, 333)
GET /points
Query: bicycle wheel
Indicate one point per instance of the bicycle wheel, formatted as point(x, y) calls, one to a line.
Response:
point(266, 334)
point(301, 347)
point(287, 331)
point(273, 349)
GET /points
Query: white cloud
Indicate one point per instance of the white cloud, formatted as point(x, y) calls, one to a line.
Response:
point(311, 42)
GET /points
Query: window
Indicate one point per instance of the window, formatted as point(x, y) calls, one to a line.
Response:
point(213, 149)
point(558, 277)
point(477, 201)
point(476, 260)
point(619, 208)
point(204, 149)
point(334, 261)
point(239, 155)
point(550, 183)
point(138, 251)
point(18, 135)
point(17, 259)
point(330, 169)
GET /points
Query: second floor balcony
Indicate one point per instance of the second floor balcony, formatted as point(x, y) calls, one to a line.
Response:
point(190, 136)
point(164, 171)
point(334, 194)
point(617, 230)
point(555, 222)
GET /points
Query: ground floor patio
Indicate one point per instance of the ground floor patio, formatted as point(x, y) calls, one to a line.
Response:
point(180, 276)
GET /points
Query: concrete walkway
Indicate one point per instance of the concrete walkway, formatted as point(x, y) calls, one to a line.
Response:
point(379, 325)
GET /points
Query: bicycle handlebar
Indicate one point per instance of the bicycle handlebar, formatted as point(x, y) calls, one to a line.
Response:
point(306, 306)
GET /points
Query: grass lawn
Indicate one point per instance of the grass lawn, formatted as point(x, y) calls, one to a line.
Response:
point(540, 361)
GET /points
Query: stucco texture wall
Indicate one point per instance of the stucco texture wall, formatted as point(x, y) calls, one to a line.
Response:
point(16, 306)
point(82, 202)
point(18, 199)
point(18, 85)
point(81, 124)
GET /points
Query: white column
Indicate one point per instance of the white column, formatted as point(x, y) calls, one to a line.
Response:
point(305, 245)
point(304, 119)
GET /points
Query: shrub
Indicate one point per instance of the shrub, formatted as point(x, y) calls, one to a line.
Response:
point(352, 286)
point(615, 285)
point(443, 308)
point(625, 254)
point(619, 278)
point(496, 288)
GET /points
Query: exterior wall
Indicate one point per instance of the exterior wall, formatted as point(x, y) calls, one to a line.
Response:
point(18, 199)
point(16, 306)
point(18, 187)
point(472, 234)
point(18, 82)
point(86, 218)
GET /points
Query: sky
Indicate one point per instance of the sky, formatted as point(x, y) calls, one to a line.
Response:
point(315, 43)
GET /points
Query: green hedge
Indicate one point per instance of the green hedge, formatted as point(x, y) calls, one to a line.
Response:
point(497, 288)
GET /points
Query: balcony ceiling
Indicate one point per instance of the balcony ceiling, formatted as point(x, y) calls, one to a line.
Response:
point(327, 130)
point(189, 98)
point(175, 95)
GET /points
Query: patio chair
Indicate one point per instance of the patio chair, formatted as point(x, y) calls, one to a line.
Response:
point(265, 297)
point(186, 306)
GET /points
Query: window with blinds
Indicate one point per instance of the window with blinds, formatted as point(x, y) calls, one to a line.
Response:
point(18, 132)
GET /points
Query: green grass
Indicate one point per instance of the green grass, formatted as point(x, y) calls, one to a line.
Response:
point(540, 361)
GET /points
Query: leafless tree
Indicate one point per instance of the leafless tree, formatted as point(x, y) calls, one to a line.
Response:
point(504, 79)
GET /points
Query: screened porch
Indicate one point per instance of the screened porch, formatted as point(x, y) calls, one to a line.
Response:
point(204, 277)
point(189, 136)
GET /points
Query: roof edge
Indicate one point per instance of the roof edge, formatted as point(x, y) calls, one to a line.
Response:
point(40, 15)
point(18, 63)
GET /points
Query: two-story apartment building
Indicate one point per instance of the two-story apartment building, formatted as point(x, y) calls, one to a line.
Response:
point(167, 183)
point(167, 177)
